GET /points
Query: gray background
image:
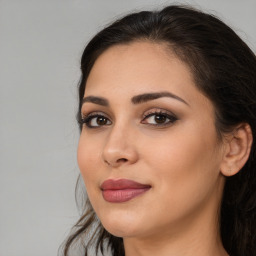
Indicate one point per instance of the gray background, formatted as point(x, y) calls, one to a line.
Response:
point(40, 47)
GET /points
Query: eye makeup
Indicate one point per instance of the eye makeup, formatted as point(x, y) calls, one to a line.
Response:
point(159, 118)
point(155, 117)
point(95, 120)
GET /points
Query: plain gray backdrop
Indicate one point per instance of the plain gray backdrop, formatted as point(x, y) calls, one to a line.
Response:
point(40, 47)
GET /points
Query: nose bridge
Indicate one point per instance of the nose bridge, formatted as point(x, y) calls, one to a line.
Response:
point(120, 146)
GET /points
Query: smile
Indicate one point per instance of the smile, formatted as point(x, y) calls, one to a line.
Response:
point(122, 190)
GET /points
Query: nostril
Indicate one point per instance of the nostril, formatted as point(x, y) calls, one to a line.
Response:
point(122, 160)
point(119, 161)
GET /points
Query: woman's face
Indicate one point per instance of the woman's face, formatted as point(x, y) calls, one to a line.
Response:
point(148, 152)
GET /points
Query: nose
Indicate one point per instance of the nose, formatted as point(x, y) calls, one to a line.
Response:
point(120, 147)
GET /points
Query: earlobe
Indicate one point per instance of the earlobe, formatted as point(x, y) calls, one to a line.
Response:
point(237, 150)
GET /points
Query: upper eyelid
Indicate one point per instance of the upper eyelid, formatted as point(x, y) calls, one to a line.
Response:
point(154, 110)
point(158, 111)
point(92, 113)
point(86, 117)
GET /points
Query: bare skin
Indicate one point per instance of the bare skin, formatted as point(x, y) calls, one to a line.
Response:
point(180, 156)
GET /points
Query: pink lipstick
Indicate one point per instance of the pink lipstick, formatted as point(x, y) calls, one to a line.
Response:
point(122, 190)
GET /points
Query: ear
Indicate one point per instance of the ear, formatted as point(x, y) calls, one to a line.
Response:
point(237, 150)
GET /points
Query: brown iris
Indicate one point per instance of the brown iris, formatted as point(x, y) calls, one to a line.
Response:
point(159, 119)
point(101, 120)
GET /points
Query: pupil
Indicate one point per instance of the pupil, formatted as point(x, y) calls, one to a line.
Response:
point(101, 120)
point(160, 119)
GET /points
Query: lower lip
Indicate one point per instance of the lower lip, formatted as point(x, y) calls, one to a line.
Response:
point(122, 195)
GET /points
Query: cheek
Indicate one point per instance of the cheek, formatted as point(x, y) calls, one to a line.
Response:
point(88, 156)
point(184, 163)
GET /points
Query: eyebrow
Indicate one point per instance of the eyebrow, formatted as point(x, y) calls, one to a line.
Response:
point(156, 95)
point(141, 98)
point(96, 100)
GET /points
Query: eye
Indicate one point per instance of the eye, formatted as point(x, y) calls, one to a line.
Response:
point(159, 118)
point(95, 120)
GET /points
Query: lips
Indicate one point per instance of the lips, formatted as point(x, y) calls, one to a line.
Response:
point(122, 190)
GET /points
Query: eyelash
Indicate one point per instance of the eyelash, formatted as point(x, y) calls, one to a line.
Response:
point(88, 118)
point(172, 118)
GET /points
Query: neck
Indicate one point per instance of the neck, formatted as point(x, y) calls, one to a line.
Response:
point(176, 245)
point(197, 234)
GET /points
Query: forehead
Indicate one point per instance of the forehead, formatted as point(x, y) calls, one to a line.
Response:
point(141, 67)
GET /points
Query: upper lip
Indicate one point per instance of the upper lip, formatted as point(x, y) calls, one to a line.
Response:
point(119, 184)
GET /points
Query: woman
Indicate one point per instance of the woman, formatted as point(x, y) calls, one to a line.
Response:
point(167, 112)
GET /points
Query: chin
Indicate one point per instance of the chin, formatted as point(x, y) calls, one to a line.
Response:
point(122, 224)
